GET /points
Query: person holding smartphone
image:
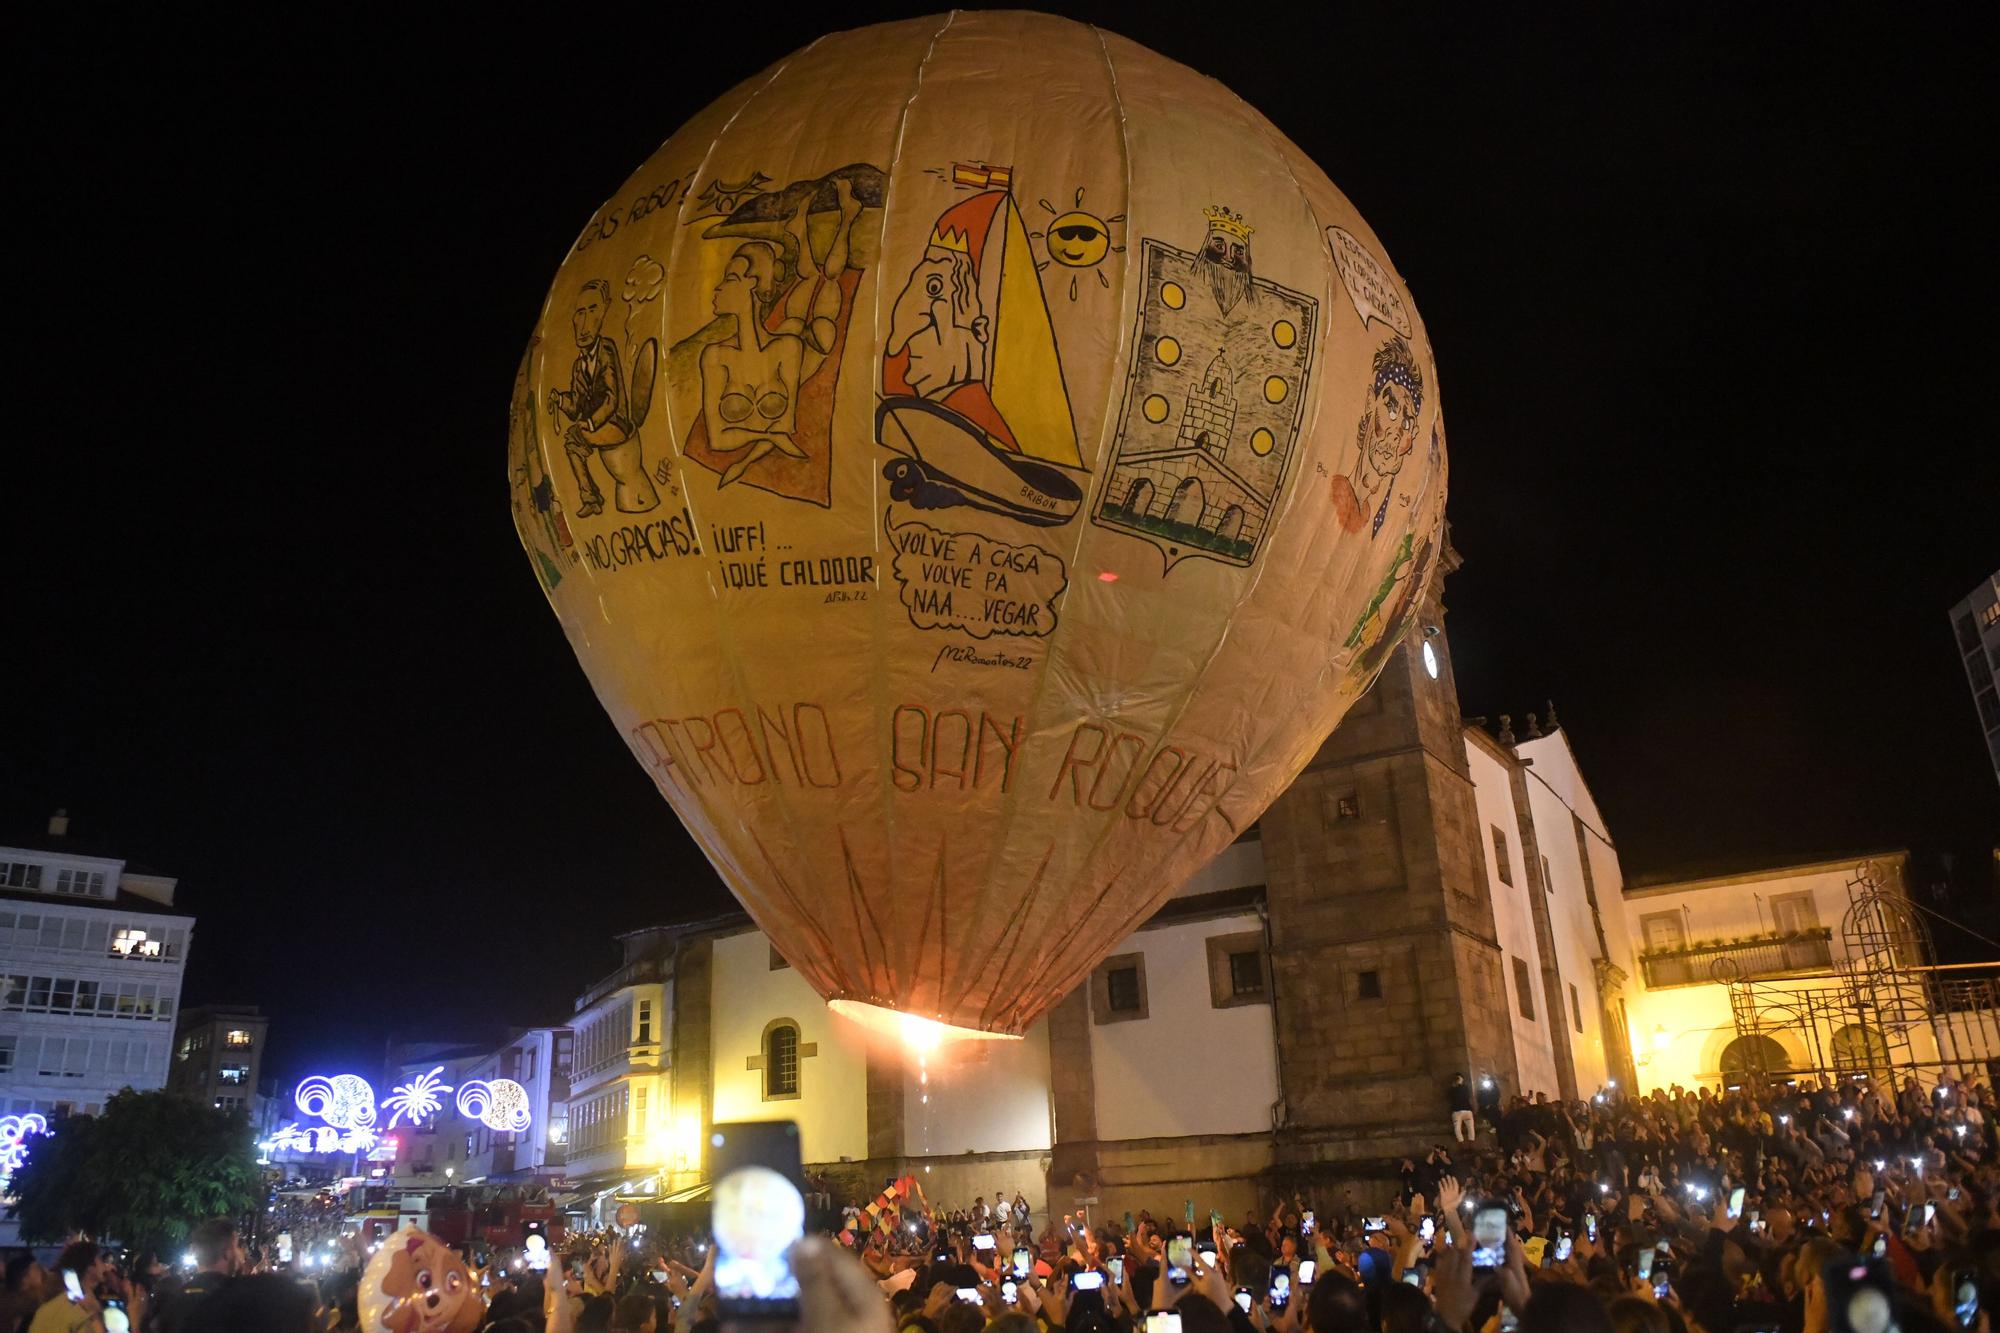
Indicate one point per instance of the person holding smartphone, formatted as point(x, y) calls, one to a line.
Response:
point(83, 1271)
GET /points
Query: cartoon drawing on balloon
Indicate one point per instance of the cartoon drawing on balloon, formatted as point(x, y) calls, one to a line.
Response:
point(538, 518)
point(719, 198)
point(768, 360)
point(973, 404)
point(1383, 622)
point(1077, 240)
point(1214, 398)
point(1387, 433)
point(605, 409)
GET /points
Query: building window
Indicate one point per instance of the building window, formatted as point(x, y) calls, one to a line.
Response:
point(236, 1037)
point(781, 1061)
point(20, 875)
point(639, 1110)
point(1118, 986)
point(1524, 995)
point(133, 942)
point(234, 1074)
point(80, 883)
point(1502, 865)
point(1246, 974)
point(1347, 807)
point(1575, 1007)
point(1548, 880)
point(1368, 985)
point(7, 1053)
point(645, 1023)
point(1122, 989)
point(1238, 971)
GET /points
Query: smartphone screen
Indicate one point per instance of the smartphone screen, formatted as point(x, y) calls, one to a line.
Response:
point(1010, 1291)
point(970, 1295)
point(1307, 1268)
point(1427, 1230)
point(1115, 1266)
point(1489, 1236)
point(1563, 1247)
point(1163, 1321)
point(1373, 1224)
point(1180, 1259)
point(1091, 1280)
point(759, 1214)
point(1736, 1202)
point(1243, 1300)
point(983, 1241)
point(1965, 1300)
point(1306, 1223)
point(72, 1286)
point(1023, 1261)
point(115, 1318)
point(1281, 1290)
point(1645, 1264)
point(1590, 1226)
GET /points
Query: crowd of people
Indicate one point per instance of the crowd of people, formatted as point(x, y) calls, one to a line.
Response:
point(1802, 1209)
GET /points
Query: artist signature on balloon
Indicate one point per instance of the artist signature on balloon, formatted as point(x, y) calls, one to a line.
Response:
point(970, 656)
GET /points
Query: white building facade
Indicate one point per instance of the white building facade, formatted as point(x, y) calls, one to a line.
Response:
point(92, 952)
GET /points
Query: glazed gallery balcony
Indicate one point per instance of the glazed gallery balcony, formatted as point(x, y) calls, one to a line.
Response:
point(1758, 956)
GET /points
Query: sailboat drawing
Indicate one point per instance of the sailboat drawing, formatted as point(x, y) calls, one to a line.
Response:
point(973, 399)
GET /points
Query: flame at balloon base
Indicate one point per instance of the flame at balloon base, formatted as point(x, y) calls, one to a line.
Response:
point(921, 1035)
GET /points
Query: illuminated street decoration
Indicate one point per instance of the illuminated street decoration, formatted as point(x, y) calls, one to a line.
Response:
point(345, 1101)
point(418, 1099)
point(320, 1139)
point(15, 1131)
point(501, 1104)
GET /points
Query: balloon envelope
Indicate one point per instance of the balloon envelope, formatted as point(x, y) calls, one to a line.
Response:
point(976, 461)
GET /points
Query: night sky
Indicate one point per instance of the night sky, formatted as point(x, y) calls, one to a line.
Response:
point(1707, 299)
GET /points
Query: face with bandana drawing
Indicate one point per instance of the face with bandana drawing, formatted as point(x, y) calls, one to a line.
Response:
point(1388, 430)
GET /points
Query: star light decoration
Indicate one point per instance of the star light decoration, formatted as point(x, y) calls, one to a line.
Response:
point(418, 1099)
point(15, 1131)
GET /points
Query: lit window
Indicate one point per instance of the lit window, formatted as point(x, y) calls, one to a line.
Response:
point(134, 943)
point(781, 1061)
point(645, 1023)
point(236, 1037)
point(1500, 861)
point(234, 1074)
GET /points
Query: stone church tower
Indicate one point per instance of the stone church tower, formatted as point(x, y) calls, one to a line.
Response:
point(1386, 968)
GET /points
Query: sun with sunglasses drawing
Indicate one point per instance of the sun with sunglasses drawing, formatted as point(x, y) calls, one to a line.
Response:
point(1077, 240)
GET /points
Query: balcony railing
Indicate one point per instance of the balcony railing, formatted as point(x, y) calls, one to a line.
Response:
point(1763, 956)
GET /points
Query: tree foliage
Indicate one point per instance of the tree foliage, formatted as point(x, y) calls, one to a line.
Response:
point(148, 1169)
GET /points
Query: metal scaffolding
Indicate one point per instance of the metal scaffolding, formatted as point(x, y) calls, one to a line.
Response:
point(1884, 1011)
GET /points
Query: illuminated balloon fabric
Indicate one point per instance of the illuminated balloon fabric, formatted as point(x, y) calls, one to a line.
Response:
point(415, 1283)
point(976, 462)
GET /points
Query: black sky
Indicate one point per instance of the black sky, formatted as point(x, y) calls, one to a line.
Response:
point(1707, 288)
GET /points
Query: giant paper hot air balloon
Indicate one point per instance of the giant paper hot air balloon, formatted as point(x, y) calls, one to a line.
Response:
point(976, 461)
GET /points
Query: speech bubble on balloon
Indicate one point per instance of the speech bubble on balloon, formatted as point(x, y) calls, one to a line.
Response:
point(1368, 284)
point(975, 583)
point(642, 283)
